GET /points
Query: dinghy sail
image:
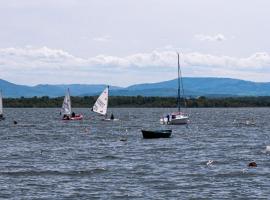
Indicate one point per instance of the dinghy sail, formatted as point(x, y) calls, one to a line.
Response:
point(66, 106)
point(66, 111)
point(101, 104)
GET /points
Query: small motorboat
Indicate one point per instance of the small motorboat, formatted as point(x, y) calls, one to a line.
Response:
point(149, 134)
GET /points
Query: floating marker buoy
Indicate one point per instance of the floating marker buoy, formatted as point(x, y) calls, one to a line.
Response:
point(210, 162)
point(267, 148)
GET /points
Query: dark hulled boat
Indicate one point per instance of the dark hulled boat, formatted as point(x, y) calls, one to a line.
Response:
point(149, 134)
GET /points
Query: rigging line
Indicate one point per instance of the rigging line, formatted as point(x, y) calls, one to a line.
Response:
point(179, 73)
point(181, 80)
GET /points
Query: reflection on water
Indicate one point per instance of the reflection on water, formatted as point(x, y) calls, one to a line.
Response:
point(45, 157)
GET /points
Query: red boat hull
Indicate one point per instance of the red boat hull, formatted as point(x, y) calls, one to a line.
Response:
point(77, 117)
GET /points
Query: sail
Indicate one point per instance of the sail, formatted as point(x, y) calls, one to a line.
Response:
point(1, 103)
point(66, 107)
point(101, 104)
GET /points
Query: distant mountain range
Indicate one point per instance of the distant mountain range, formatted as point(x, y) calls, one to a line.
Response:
point(211, 87)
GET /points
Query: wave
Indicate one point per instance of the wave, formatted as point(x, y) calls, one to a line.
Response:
point(267, 149)
point(54, 172)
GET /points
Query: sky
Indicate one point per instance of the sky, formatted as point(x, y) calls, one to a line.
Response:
point(125, 42)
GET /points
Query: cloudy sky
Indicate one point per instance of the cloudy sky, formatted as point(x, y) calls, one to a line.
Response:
point(122, 42)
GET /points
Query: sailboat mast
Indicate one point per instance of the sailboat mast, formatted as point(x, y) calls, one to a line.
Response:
point(69, 101)
point(178, 96)
point(107, 99)
point(1, 103)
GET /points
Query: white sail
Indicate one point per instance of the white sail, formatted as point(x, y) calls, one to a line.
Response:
point(1, 103)
point(101, 104)
point(66, 107)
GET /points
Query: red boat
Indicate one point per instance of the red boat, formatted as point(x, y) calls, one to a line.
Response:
point(76, 117)
point(66, 109)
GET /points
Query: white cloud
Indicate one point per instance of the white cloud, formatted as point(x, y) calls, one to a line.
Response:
point(211, 38)
point(104, 38)
point(31, 65)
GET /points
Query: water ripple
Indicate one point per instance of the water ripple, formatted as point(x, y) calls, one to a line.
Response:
point(47, 158)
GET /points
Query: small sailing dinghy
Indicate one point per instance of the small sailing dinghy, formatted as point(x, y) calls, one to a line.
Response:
point(151, 134)
point(101, 105)
point(66, 112)
point(1, 106)
point(179, 117)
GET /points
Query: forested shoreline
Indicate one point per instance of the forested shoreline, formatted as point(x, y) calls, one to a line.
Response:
point(138, 101)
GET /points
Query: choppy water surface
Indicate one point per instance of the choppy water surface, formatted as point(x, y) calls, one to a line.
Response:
point(44, 157)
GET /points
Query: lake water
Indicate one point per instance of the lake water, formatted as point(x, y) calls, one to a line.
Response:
point(47, 158)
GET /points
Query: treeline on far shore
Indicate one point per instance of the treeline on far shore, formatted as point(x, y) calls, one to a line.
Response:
point(139, 101)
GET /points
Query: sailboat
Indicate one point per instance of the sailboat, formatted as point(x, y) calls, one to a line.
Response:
point(179, 117)
point(1, 106)
point(101, 105)
point(66, 111)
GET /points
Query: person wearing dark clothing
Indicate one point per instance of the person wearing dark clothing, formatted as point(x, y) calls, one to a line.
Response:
point(112, 116)
point(73, 114)
point(1, 117)
point(168, 118)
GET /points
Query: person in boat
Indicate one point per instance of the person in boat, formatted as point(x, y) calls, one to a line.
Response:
point(168, 118)
point(73, 114)
point(66, 117)
point(112, 117)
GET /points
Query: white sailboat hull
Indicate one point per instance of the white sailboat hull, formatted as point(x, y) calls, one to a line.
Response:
point(178, 120)
point(108, 119)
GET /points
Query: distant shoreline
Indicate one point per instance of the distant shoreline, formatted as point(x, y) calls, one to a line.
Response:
point(138, 102)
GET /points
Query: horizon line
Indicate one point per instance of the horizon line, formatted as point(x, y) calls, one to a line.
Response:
point(195, 77)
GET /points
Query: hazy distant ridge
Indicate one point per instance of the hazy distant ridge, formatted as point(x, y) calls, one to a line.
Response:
point(192, 86)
